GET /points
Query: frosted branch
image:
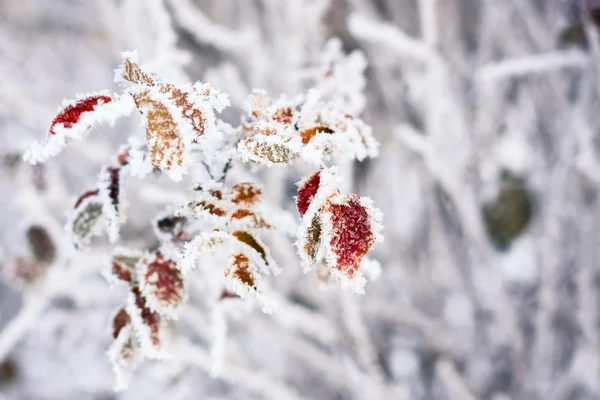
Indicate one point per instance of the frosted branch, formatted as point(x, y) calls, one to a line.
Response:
point(205, 30)
point(388, 35)
point(456, 387)
point(267, 387)
point(528, 65)
point(21, 323)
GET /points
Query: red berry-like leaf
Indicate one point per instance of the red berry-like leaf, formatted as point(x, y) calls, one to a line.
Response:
point(70, 115)
point(349, 232)
point(306, 191)
point(161, 284)
point(120, 321)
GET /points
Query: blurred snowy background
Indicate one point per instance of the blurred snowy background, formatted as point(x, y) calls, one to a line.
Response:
point(487, 114)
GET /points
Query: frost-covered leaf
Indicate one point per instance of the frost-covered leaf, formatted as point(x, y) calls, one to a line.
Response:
point(201, 243)
point(309, 240)
point(208, 209)
point(246, 194)
point(268, 149)
point(123, 265)
point(74, 120)
point(314, 190)
point(161, 284)
point(165, 143)
point(109, 185)
point(307, 189)
point(124, 353)
point(257, 103)
point(148, 325)
point(177, 117)
point(350, 227)
point(308, 128)
point(238, 207)
point(254, 246)
point(86, 219)
point(240, 270)
point(120, 320)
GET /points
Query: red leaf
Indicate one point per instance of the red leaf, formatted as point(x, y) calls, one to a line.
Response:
point(120, 321)
point(71, 114)
point(123, 267)
point(350, 233)
point(149, 318)
point(307, 190)
point(162, 283)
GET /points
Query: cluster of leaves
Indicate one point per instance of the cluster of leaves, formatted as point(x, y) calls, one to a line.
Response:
point(337, 230)
point(223, 223)
point(305, 128)
point(156, 292)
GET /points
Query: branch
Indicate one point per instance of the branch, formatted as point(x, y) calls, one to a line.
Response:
point(267, 387)
point(206, 31)
point(25, 319)
point(389, 36)
point(456, 387)
point(536, 64)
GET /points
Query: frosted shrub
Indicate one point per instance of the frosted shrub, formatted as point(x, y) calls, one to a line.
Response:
point(218, 232)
